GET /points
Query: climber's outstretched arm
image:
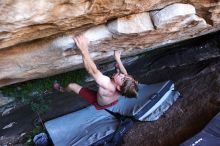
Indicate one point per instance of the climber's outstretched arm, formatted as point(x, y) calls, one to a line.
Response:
point(118, 60)
point(102, 80)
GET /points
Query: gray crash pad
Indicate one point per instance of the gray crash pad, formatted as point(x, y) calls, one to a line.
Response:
point(209, 136)
point(81, 128)
point(152, 101)
point(90, 126)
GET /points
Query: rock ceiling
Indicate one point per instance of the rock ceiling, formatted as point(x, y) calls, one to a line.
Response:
point(36, 36)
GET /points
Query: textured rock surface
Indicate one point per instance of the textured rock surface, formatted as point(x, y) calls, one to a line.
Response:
point(5, 100)
point(35, 36)
point(136, 23)
point(194, 66)
point(98, 33)
point(172, 14)
point(215, 14)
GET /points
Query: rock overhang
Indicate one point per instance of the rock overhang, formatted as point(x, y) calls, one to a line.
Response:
point(133, 34)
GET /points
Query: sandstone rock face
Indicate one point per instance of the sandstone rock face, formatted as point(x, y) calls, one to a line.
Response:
point(215, 14)
point(36, 36)
point(98, 33)
point(177, 16)
point(172, 13)
point(136, 23)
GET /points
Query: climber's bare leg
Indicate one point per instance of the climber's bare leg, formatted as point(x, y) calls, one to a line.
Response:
point(73, 87)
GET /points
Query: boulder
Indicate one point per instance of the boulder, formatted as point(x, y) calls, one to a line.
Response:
point(23, 21)
point(171, 14)
point(176, 17)
point(36, 37)
point(97, 34)
point(136, 23)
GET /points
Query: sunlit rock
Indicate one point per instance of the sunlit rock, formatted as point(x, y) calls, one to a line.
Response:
point(136, 23)
point(94, 35)
point(23, 21)
point(27, 20)
point(97, 33)
point(36, 37)
point(64, 43)
point(172, 14)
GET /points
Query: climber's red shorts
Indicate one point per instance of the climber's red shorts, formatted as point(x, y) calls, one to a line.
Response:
point(91, 97)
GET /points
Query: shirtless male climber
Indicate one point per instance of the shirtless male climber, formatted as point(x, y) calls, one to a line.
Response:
point(109, 88)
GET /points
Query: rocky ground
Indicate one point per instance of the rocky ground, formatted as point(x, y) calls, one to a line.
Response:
point(194, 66)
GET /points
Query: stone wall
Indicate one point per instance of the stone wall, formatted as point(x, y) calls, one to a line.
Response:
point(36, 36)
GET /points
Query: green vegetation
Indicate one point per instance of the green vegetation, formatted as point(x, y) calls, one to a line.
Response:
point(33, 92)
point(37, 129)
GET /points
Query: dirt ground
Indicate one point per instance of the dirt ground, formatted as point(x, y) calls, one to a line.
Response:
point(195, 69)
point(199, 84)
point(200, 102)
